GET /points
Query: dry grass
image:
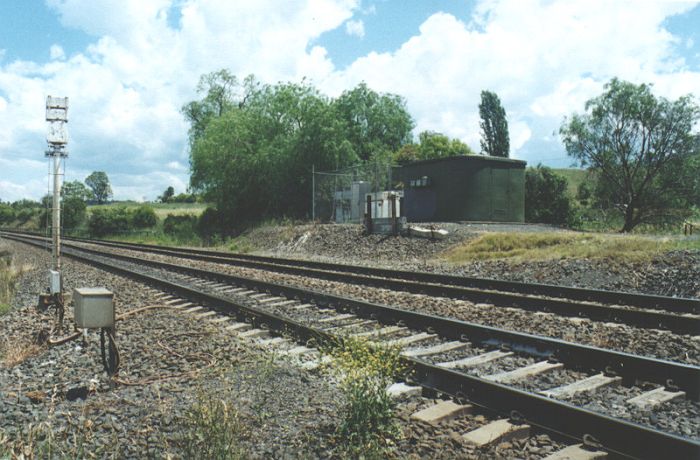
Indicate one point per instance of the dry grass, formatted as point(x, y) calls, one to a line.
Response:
point(9, 272)
point(16, 352)
point(518, 247)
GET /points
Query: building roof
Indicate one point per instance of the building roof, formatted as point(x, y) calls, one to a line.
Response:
point(513, 162)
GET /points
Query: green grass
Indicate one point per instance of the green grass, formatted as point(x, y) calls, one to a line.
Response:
point(574, 177)
point(518, 247)
point(161, 209)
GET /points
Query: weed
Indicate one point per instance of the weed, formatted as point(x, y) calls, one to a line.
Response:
point(16, 352)
point(9, 273)
point(212, 430)
point(366, 370)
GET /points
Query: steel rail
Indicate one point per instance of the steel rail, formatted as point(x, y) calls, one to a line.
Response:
point(679, 324)
point(644, 301)
point(628, 366)
point(616, 435)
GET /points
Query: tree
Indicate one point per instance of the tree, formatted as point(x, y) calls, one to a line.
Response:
point(546, 199)
point(637, 143)
point(167, 195)
point(74, 212)
point(76, 189)
point(375, 122)
point(143, 217)
point(99, 183)
point(494, 126)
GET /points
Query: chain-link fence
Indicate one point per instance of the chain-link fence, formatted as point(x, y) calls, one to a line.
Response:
point(339, 196)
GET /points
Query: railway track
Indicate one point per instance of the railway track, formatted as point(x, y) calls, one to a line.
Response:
point(444, 353)
point(678, 315)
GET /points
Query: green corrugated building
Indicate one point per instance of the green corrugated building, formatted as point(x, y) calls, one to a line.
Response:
point(463, 188)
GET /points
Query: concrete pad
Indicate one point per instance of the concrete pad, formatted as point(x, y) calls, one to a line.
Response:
point(342, 317)
point(588, 384)
point(440, 412)
point(435, 349)
point(380, 332)
point(205, 314)
point(577, 452)
point(415, 338)
point(524, 372)
point(364, 322)
point(275, 341)
point(269, 299)
point(175, 301)
point(472, 361)
point(254, 334)
point(496, 432)
point(401, 389)
point(238, 327)
point(182, 306)
point(655, 398)
point(220, 320)
point(300, 350)
point(282, 304)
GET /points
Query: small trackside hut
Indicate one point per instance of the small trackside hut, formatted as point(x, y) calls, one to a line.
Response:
point(462, 188)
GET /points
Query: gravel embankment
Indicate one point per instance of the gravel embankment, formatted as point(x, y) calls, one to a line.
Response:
point(674, 274)
point(60, 398)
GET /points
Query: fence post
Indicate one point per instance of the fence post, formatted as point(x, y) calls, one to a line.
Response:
point(368, 214)
point(394, 227)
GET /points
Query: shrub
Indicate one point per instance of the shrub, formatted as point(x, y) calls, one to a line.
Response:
point(74, 211)
point(546, 200)
point(143, 217)
point(7, 214)
point(209, 223)
point(368, 415)
point(105, 221)
point(182, 227)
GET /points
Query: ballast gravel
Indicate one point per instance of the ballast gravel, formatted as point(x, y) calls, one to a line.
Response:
point(60, 398)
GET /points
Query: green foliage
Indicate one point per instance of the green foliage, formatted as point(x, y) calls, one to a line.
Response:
point(374, 122)
point(143, 217)
point(546, 198)
point(209, 223)
point(642, 149)
point(7, 214)
point(105, 221)
point(99, 184)
point(495, 140)
point(184, 198)
point(368, 415)
point(76, 189)
point(431, 145)
point(74, 212)
point(254, 160)
point(182, 227)
point(212, 430)
point(167, 195)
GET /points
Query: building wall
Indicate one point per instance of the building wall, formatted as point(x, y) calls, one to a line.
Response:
point(472, 188)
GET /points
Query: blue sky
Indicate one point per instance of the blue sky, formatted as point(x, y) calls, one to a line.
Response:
point(129, 65)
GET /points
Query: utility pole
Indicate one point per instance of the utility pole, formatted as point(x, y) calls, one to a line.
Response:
point(57, 138)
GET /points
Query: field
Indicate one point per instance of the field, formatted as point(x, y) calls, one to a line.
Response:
point(162, 209)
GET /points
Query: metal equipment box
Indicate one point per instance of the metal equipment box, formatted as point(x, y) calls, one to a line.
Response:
point(55, 282)
point(93, 308)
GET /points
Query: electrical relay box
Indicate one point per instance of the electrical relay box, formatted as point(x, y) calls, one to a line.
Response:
point(93, 308)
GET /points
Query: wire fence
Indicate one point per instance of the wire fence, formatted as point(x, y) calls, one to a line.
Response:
point(339, 196)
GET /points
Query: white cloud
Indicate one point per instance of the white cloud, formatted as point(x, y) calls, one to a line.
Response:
point(56, 52)
point(355, 28)
point(543, 58)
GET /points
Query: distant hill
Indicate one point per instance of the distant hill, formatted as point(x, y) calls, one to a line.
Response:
point(574, 175)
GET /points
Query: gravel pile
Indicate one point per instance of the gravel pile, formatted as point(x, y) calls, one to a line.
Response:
point(60, 399)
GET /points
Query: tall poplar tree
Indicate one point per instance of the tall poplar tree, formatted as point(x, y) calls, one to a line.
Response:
point(494, 126)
